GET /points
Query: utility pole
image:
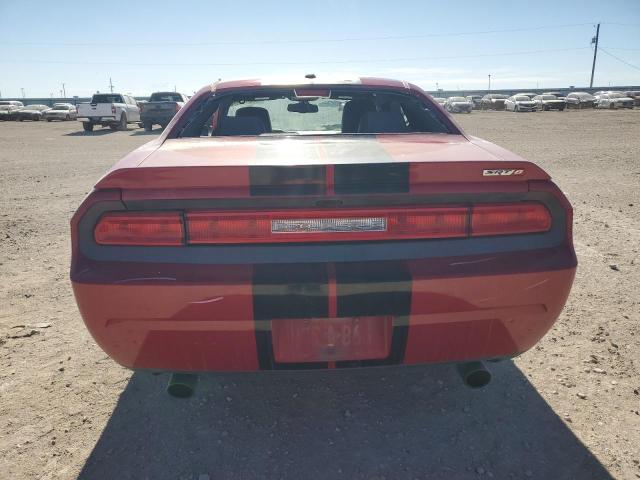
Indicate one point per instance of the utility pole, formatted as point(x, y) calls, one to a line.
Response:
point(64, 91)
point(595, 53)
point(489, 82)
point(110, 85)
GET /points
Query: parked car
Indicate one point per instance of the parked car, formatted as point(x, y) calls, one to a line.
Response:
point(475, 100)
point(520, 103)
point(113, 110)
point(440, 100)
point(261, 231)
point(8, 109)
point(546, 101)
point(493, 101)
point(33, 112)
point(458, 105)
point(580, 100)
point(614, 100)
point(61, 111)
point(635, 95)
point(160, 109)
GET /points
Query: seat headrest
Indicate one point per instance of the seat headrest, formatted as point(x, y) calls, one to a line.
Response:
point(241, 126)
point(353, 111)
point(259, 112)
point(382, 122)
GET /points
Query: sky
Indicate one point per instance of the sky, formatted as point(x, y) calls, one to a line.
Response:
point(160, 45)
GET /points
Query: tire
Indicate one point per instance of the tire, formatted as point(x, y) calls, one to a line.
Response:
point(87, 126)
point(67, 118)
point(516, 108)
point(148, 127)
point(48, 119)
point(122, 125)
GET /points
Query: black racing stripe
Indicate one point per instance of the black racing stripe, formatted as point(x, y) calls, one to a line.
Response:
point(302, 291)
point(370, 289)
point(287, 291)
point(290, 291)
point(293, 180)
point(371, 178)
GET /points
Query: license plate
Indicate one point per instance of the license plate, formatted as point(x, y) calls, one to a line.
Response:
point(331, 339)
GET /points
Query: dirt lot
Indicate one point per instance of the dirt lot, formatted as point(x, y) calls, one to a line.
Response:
point(570, 408)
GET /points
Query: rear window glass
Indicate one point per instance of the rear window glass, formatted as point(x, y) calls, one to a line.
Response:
point(165, 97)
point(106, 98)
point(278, 111)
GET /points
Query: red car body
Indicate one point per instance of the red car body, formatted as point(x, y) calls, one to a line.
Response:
point(467, 289)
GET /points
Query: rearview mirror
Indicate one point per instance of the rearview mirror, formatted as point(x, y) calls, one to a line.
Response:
point(302, 107)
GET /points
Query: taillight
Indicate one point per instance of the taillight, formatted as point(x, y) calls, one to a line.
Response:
point(201, 227)
point(509, 219)
point(154, 229)
point(113, 109)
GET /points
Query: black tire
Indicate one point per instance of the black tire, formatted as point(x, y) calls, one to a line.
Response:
point(148, 126)
point(87, 126)
point(48, 119)
point(123, 122)
point(516, 108)
point(67, 118)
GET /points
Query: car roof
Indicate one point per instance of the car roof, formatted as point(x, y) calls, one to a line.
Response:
point(291, 81)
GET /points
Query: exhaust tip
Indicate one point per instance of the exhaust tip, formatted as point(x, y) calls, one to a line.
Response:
point(474, 374)
point(182, 385)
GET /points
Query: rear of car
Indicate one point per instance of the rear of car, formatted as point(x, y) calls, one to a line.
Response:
point(319, 226)
point(160, 109)
point(111, 110)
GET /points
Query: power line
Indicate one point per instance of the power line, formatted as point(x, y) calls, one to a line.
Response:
point(298, 40)
point(311, 62)
point(619, 59)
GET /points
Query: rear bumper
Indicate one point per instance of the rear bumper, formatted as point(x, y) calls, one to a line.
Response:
point(161, 118)
point(221, 318)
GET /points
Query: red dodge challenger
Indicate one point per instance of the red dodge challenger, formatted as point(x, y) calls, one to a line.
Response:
point(319, 224)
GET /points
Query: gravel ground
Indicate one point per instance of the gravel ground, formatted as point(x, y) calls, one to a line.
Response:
point(569, 408)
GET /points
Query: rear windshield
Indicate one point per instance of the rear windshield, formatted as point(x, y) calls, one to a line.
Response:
point(522, 98)
point(165, 97)
point(60, 107)
point(36, 107)
point(106, 98)
point(278, 111)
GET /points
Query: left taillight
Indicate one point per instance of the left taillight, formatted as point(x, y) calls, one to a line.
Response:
point(153, 229)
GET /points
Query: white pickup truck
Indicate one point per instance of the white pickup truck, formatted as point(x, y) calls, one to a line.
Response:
point(114, 110)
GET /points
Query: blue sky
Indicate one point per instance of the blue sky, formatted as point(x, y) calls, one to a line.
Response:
point(148, 46)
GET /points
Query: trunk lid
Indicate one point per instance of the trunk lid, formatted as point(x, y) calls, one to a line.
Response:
point(321, 165)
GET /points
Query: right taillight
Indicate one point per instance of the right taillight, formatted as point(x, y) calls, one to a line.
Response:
point(509, 219)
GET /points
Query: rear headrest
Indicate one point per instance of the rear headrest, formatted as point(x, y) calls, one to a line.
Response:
point(241, 126)
point(353, 111)
point(259, 112)
point(382, 122)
